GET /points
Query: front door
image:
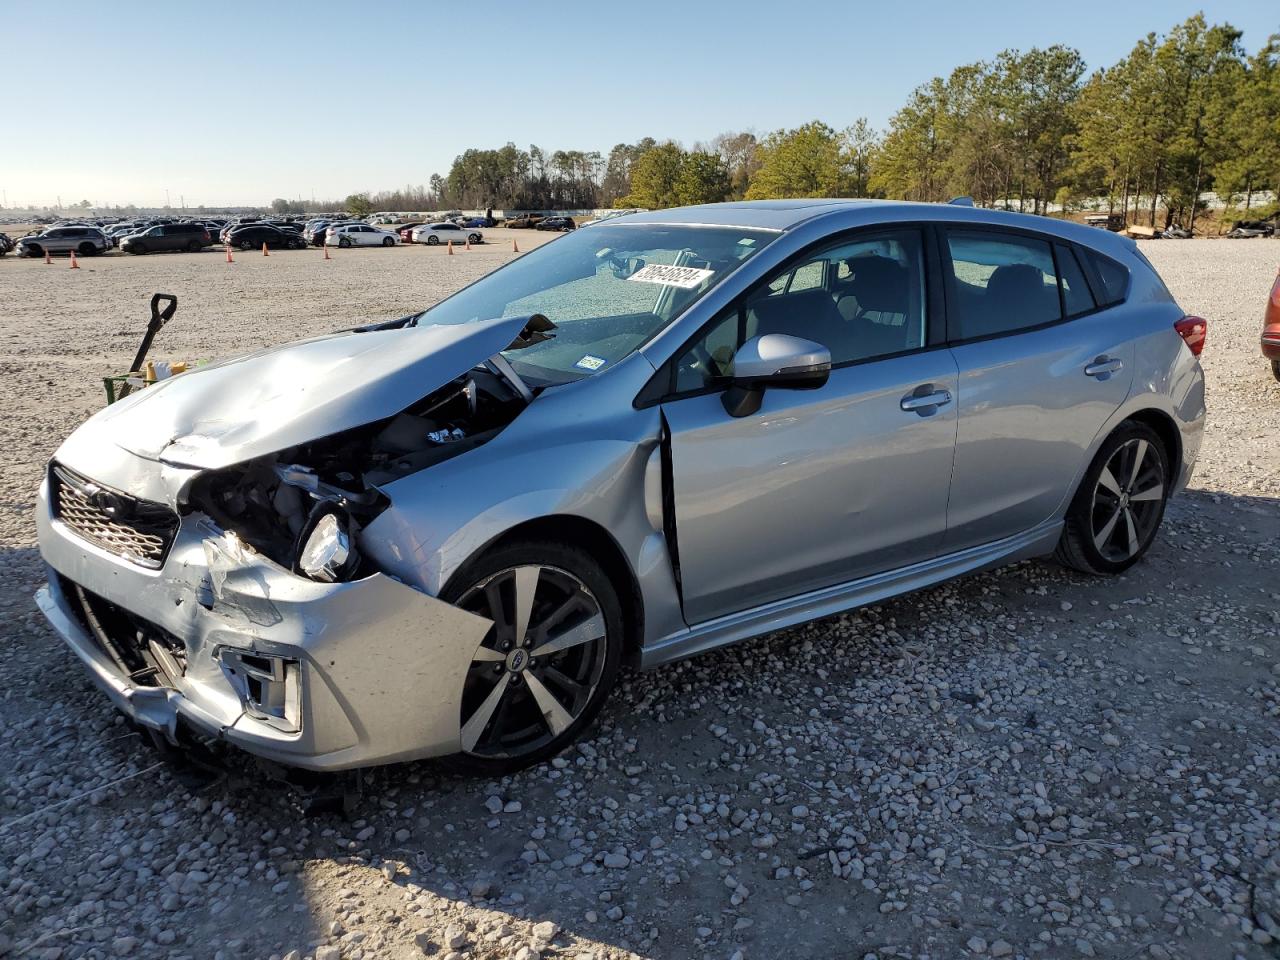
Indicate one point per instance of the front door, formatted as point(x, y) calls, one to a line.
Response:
point(824, 486)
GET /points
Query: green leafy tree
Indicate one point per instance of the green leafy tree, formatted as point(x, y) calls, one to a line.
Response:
point(655, 177)
point(704, 178)
point(358, 205)
point(804, 162)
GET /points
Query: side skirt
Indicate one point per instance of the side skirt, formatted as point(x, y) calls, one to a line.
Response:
point(781, 614)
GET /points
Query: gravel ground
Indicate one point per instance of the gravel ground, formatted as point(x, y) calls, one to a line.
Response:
point(1022, 763)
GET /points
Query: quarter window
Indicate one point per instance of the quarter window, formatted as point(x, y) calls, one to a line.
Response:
point(1115, 280)
point(1002, 284)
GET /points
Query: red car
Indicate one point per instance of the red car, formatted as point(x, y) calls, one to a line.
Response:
point(1271, 328)
point(406, 231)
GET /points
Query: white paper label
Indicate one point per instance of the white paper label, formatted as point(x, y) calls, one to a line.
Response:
point(684, 277)
point(590, 363)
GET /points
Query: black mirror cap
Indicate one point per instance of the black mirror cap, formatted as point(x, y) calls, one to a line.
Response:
point(744, 397)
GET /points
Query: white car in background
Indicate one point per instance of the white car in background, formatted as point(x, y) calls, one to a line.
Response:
point(359, 235)
point(443, 232)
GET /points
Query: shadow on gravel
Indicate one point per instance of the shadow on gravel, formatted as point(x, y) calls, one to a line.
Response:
point(687, 824)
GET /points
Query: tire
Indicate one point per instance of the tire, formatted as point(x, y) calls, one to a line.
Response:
point(388, 242)
point(35, 250)
point(194, 246)
point(137, 249)
point(433, 240)
point(344, 242)
point(473, 238)
point(86, 249)
point(521, 727)
point(1275, 369)
point(1117, 510)
point(297, 244)
point(246, 245)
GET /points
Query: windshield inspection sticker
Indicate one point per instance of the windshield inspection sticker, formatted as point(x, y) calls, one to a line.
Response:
point(590, 363)
point(684, 277)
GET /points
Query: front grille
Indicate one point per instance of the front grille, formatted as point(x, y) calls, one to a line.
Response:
point(144, 652)
point(137, 530)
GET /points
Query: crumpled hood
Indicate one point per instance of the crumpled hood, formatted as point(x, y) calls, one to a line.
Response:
point(277, 398)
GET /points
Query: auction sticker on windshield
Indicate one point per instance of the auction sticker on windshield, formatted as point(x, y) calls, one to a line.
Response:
point(684, 277)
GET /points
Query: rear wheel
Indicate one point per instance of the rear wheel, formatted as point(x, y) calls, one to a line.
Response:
point(86, 249)
point(388, 242)
point(1275, 369)
point(432, 240)
point(544, 670)
point(1116, 512)
point(194, 246)
point(344, 242)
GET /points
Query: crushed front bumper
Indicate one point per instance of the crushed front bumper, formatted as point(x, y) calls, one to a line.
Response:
point(376, 668)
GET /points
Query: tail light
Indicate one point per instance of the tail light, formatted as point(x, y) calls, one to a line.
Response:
point(1192, 330)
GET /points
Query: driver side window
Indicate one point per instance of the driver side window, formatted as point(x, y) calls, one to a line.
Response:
point(861, 299)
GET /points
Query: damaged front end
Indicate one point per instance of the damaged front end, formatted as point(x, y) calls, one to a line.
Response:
point(306, 507)
point(216, 579)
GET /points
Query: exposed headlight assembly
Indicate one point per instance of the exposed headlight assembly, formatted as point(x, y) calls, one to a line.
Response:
point(326, 546)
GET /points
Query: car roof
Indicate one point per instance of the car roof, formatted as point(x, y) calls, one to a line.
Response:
point(786, 215)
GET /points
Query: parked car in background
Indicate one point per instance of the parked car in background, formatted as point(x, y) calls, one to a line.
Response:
point(314, 232)
point(1249, 229)
point(562, 224)
point(168, 237)
point(478, 222)
point(249, 236)
point(405, 231)
point(6, 244)
point(1271, 328)
point(764, 413)
point(86, 241)
point(523, 222)
point(443, 232)
point(359, 235)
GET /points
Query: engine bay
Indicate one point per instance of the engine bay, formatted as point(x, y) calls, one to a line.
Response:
point(270, 502)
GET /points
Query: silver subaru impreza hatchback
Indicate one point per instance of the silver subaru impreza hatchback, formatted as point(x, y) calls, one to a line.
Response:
point(442, 535)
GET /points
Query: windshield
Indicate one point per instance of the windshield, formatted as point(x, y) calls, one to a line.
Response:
point(607, 290)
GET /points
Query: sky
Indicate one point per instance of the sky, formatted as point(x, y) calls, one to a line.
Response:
point(239, 101)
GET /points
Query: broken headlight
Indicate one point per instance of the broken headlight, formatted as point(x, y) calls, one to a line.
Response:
point(326, 546)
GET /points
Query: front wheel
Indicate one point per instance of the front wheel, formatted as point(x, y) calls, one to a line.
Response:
point(474, 238)
point(344, 242)
point(1275, 369)
point(1118, 508)
point(388, 242)
point(545, 668)
point(86, 249)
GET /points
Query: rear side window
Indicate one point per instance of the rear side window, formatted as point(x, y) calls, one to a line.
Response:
point(1076, 297)
point(1114, 278)
point(1003, 283)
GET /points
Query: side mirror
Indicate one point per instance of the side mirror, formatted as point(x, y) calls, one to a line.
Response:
point(774, 360)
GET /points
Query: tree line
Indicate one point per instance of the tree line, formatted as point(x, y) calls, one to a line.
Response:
point(1182, 113)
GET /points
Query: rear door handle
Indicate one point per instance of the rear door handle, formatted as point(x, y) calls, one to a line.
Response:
point(925, 404)
point(1104, 367)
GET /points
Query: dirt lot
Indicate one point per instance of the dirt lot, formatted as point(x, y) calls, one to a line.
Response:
point(1022, 763)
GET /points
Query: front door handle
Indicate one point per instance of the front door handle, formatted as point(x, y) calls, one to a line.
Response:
point(1103, 367)
point(925, 404)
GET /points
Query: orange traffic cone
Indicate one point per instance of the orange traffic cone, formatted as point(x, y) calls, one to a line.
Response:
point(326, 252)
point(230, 259)
point(451, 248)
point(74, 264)
point(264, 249)
point(515, 247)
point(47, 258)
point(467, 245)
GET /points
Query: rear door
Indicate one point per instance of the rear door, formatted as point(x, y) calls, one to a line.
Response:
point(1041, 370)
point(822, 486)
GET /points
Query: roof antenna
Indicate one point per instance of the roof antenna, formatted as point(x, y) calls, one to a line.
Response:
point(960, 202)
